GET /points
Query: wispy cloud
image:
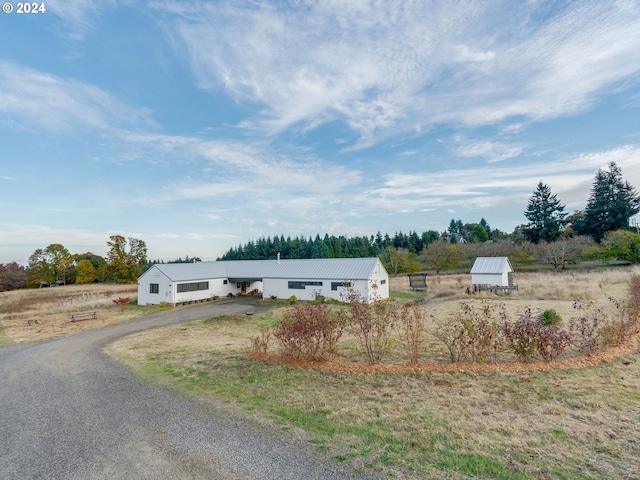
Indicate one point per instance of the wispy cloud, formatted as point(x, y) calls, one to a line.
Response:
point(78, 16)
point(571, 178)
point(492, 151)
point(389, 68)
point(41, 100)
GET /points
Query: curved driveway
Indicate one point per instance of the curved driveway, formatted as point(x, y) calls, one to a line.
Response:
point(68, 411)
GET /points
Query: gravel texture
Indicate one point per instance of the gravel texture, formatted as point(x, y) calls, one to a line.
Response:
point(68, 411)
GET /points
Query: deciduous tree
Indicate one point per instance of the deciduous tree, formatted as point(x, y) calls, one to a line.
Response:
point(622, 245)
point(12, 276)
point(85, 272)
point(441, 255)
point(126, 259)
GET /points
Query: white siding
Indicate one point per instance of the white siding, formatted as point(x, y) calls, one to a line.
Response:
point(490, 279)
point(279, 287)
point(362, 273)
point(380, 279)
point(154, 276)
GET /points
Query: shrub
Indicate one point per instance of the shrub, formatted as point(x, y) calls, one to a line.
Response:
point(616, 332)
point(293, 299)
point(412, 327)
point(309, 330)
point(586, 329)
point(372, 323)
point(634, 298)
point(260, 343)
point(530, 337)
point(551, 317)
point(473, 334)
point(122, 302)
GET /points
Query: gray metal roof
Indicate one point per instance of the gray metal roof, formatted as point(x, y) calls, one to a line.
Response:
point(491, 265)
point(178, 272)
point(320, 268)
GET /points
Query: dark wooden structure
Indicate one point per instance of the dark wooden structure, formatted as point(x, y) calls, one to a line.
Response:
point(417, 281)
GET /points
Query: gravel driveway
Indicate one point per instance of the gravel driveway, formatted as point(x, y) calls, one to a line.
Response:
point(68, 411)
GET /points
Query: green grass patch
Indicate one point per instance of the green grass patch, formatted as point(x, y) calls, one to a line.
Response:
point(564, 424)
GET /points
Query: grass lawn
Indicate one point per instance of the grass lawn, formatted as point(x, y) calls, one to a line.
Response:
point(564, 424)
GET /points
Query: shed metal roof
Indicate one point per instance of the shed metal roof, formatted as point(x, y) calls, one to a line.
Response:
point(320, 268)
point(490, 265)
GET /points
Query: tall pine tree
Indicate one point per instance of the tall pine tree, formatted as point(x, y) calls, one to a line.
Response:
point(611, 203)
point(545, 214)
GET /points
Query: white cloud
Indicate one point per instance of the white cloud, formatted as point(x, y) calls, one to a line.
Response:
point(386, 68)
point(61, 105)
point(571, 178)
point(78, 16)
point(492, 151)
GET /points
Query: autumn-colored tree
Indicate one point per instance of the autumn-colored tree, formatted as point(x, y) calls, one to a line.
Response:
point(122, 302)
point(441, 255)
point(12, 276)
point(49, 265)
point(85, 272)
point(126, 258)
point(399, 260)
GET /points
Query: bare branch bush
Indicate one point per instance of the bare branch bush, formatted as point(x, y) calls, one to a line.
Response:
point(260, 343)
point(531, 337)
point(412, 326)
point(473, 334)
point(586, 328)
point(372, 323)
point(309, 330)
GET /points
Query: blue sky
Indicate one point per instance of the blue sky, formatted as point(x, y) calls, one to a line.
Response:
point(196, 125)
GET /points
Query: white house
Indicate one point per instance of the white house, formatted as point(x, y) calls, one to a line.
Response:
point(177, 283)
point(492, 271)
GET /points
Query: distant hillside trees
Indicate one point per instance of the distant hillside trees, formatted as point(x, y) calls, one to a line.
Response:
point(546, 216)
point(612, 202)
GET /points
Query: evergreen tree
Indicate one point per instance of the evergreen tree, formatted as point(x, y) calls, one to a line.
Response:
point(611, 203)
point(545, 214)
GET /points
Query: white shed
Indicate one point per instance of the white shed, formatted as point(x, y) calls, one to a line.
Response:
point(492, 271)
point(177, 283)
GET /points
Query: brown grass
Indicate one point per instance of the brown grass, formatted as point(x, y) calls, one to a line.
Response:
point(51, 307)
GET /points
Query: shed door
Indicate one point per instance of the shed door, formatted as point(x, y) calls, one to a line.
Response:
point(510, 277)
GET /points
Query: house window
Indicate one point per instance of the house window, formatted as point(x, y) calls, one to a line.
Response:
point(335, 285)
point(296, 285)
point(154, 288)
point(382, 282)
point(192, 287)
point(225, 282)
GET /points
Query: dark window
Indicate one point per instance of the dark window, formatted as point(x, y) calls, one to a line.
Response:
point(154, 288)
point(295, 285)
point(192, 287)
point(335, 285)
point(225, 282)
point(382, 282)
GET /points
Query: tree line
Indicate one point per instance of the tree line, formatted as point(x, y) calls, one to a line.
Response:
point(552, 236)
point(55, 265)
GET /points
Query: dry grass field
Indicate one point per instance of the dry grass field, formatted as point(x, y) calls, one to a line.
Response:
point(49, 310)
point(566, 423)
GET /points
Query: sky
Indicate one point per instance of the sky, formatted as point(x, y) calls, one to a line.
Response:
point(200, 125)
